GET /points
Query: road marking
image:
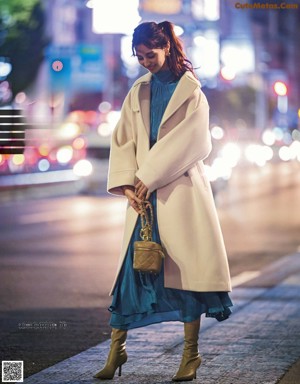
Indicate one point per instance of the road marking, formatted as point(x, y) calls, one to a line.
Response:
point(111, 211)
point(43, 217)
point(244, 277)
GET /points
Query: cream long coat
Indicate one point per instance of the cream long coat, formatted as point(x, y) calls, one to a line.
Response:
point(188, 224)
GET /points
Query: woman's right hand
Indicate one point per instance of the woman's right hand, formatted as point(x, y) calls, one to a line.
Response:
point(133, 200)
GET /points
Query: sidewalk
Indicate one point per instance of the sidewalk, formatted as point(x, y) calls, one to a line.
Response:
point(259, 344)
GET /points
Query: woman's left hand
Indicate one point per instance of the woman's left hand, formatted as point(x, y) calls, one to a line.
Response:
point(141, 191)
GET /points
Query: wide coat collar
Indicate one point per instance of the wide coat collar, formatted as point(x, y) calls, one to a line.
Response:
point(141, 96)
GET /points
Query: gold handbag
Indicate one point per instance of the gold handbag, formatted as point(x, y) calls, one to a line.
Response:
point(148, 255)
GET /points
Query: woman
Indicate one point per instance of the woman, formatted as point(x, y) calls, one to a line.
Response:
point(157, 151)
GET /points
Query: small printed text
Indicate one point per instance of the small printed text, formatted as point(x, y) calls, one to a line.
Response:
point(276, 6)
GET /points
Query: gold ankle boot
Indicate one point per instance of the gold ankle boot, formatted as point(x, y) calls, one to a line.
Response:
point(117, 355)
point(191, 359)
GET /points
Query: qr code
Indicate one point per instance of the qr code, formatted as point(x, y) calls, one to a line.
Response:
point(12, 371)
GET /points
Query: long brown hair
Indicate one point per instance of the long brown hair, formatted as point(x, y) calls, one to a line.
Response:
point(154, 36)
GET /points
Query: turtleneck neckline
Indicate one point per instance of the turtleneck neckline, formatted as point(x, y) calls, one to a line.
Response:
point(164, 76)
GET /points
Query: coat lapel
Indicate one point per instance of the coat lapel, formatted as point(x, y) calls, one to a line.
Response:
point(144, 100)
point(141, 99)
point(185, 88)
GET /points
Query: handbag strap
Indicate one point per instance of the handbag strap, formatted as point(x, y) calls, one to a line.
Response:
point(146, 220)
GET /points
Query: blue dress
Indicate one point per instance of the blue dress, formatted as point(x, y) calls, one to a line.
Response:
point(140, 299)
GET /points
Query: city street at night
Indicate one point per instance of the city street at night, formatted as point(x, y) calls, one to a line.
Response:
point(59, 254)
point(166, 97)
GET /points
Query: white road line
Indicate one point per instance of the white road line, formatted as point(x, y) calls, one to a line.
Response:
point(34, 218)
point(81, 210)
point(244, 277)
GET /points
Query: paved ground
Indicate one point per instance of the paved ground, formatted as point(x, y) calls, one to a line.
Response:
point(259, 344)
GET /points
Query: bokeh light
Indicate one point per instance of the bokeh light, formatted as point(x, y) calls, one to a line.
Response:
point(64, 154)
point(83, 168)
point(43, 165)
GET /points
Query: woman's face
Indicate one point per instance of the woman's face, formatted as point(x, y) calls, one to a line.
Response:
point(153, 59)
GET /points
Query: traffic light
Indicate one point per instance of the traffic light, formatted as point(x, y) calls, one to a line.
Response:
point(280, 88)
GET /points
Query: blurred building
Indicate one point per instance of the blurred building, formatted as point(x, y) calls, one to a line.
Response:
point(277, 36)
point(245, 54)
point(237, 53)
point(240, 54)
point(91, 62)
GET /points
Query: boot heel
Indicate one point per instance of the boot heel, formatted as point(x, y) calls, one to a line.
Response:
point(117, 356)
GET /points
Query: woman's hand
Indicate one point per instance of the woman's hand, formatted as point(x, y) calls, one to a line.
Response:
point(141, 191)
point(133, 200)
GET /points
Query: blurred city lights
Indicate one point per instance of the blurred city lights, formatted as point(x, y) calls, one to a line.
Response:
point(83, 168)
point(20, 98)
point(5, 69)
point(228, 73)
point(205, 53)
point(104, 107)
point(130, 62)
point(43, 165)
point(52, 156)
point(258, 154)
point(115, 16)
point(216, 56)
point(267, 152)
point(206, 9)
point(231, 153)
point(280, 88)
point(16, 163)
point(44, 149)
point(68, 130)
point(105, 129)
point(199, 40)
point(113, 117)
point(268, 137)
point(79, 143)
point(296, 134)
point(169, 7)
point(18, 159)
point(217, 132)
point(76, 117)
point(64, 154)
point(231, 54)
point(5, 91)
point(287, 138)
point(295, 150)
point(284, 153)
point(218, 169)
point(178, 30)
point(90, 4)
point(282, 104)
point(278, 132)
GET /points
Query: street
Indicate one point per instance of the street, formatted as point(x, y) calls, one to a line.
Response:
point(58, 258)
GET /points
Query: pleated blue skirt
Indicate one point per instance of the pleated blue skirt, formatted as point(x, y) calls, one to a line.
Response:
point(140, 299)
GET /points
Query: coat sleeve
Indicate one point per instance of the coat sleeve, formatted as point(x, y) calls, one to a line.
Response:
point(186, 144)
point(122, 161)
